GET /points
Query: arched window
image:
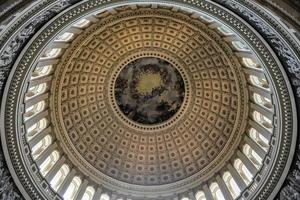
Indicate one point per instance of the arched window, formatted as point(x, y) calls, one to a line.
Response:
point(261, 82)
point(38, 149)
point(240, 46)
point(104, 197)
point(216, 192)
point(36, 90)
point(41, 71)
point(248, 62)
point(207, 19)
point(231, 185)
point(72, 189)
point(259, 139)
point(49, 163)
point(89, 193)
point(51, 53)
point(81, 23)
point(225, 30)
point(243, 171)
point(34, 109)
point(65, 37)
point(36, 128)
point(261, 119)
point(200, 195)
point(252, 155)
point(59, 177)
point(263, 101)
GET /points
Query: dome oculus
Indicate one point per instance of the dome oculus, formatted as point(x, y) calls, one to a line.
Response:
point(149, 90)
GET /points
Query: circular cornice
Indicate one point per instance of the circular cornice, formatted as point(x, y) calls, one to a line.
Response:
point(197, 112)
point(286, 112)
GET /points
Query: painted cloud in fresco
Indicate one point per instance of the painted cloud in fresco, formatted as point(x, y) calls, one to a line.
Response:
point(149, 90)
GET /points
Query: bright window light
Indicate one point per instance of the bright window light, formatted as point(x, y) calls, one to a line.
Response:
point(49, 163)
point(89, 193)
point(59, 177)
point(225, 30)
point(51, 53)
point(216, 192)
point(200, 195)
point(252, 155)
point(231, 185)
point(41, 71)
point(240, 46)
point(243, 171)
point(72, 189)
point(36, 128)
point(259, 139)
point(40, 147)
point(81, 23)
point(248, 62)
point(65, 37)
point(104, 197)
point(206, 18)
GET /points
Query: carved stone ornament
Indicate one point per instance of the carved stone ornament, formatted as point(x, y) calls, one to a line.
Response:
point(287, 49)
point(23, 40)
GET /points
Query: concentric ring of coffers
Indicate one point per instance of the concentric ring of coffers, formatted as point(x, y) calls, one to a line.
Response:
point(53, 163)
point(197, 142)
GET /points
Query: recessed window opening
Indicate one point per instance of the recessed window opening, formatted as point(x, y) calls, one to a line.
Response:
point(41, 71)
point(259, 139)
point(260, 82)
point(240, 46)
point(89, 193)
point(51, 53)
point(65, 37)
point(243, 171)
point(104, 197)
point(216, 192)
point(248, 62)
point(263, 120)
point(33, 110)
point(81, 23)
point(47, 165)
point(40, 147)
point(207, 19)
point(231, 185)
point(200, 195)
point(59, 177)
point(72, 189)
point(225, 30)
point(36, 128)
point(263, 101)
point(36, 90)
point(252, 155)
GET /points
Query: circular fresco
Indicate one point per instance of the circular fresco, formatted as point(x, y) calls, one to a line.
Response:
point(149, 90)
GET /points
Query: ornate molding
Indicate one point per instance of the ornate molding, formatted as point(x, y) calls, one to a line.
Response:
point(8, 190)
point(62, 120)
point(285, 50)
point(274, 37)
point(291, 190)
point(17, 42)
